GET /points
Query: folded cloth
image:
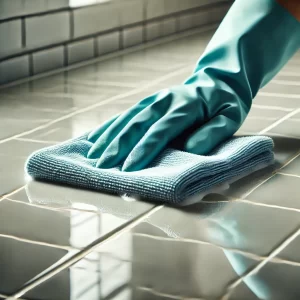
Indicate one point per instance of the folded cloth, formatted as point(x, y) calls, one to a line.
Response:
point(173, 177)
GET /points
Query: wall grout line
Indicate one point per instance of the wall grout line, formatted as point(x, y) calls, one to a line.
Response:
point(258, 267)
point(114, 234)
point(162, 40)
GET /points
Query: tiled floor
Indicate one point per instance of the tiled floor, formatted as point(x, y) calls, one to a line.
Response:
point(62, 243)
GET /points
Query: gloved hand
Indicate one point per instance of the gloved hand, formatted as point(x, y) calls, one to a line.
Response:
point(249, 48)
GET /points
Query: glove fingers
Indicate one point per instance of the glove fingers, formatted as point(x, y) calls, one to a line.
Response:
point(117, 151)
point(110, 130)
point(96, 133)
point(155, 140)
point(210, 135)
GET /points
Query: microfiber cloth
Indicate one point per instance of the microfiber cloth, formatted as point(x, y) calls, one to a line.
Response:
point(172, 178)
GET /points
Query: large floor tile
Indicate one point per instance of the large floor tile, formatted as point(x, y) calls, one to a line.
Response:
point(233, 225)
point(63, 215)
point(136, 267)
point(69, 198)
point(22, 261)
point(274, 281)
point(279, 190)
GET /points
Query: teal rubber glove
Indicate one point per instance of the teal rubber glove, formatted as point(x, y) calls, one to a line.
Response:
point(252, 44)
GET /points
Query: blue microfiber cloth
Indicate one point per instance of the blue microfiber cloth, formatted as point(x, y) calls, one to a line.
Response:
point(173, 177)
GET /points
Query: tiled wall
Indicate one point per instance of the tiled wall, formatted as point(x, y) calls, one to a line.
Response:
point(37, 36)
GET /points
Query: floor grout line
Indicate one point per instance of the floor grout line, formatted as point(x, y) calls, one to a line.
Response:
point(36, 141)
point(45, 244)
point(49, 273)
point(286, 82)
point(90, 107)
point(235, 250)
point(11, 193)
point(286, 117)
point(245, 195)
point(279, 95)
point(290, 175)
point(258, 267)
point(271, 107)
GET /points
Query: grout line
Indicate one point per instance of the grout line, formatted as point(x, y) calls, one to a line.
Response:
point(280, 121)
point(257, 268)
point(286, 174)
point(284, 135)
point(268, 205)
point(251, 255)
point(271, 107)
point(28, 241)
point(278, 95)
point(36, 141)
point(114, 234)
point(245, 195)
point(286, 82)
point(191, 241)
point(164, 40)
point(88, 108)
point(11, 193)
point(289, 73)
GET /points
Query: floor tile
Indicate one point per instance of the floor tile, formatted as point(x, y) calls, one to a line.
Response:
point(64, 216)
point(288, 128)
point(234, 224)
point(273, 99)
point(291, 252)
point(13, 155)
point(20, 148)
point(279, 190)
point(69, 198)
point(293, 168)
point(144, 269)
point(282, 88)
point(274, 281)
point(22, 261)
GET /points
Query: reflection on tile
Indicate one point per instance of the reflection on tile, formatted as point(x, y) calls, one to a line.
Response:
point(79, 124)
point(74, 229)
point(144, 266)
point(279, 190)
point(10, 126)
point(233, 224)
point(20, 262)
point(274, 281)
point(68, 198)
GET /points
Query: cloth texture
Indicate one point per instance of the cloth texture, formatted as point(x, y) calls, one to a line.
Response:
point(172, 178)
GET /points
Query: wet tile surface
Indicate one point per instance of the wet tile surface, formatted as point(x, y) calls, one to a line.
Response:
point(143, 268)
point(195, 252)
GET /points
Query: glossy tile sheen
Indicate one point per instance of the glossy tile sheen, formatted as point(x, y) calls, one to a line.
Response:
point(21, 261)
point(274, 281)
point(193, 252)
point(136, 267)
